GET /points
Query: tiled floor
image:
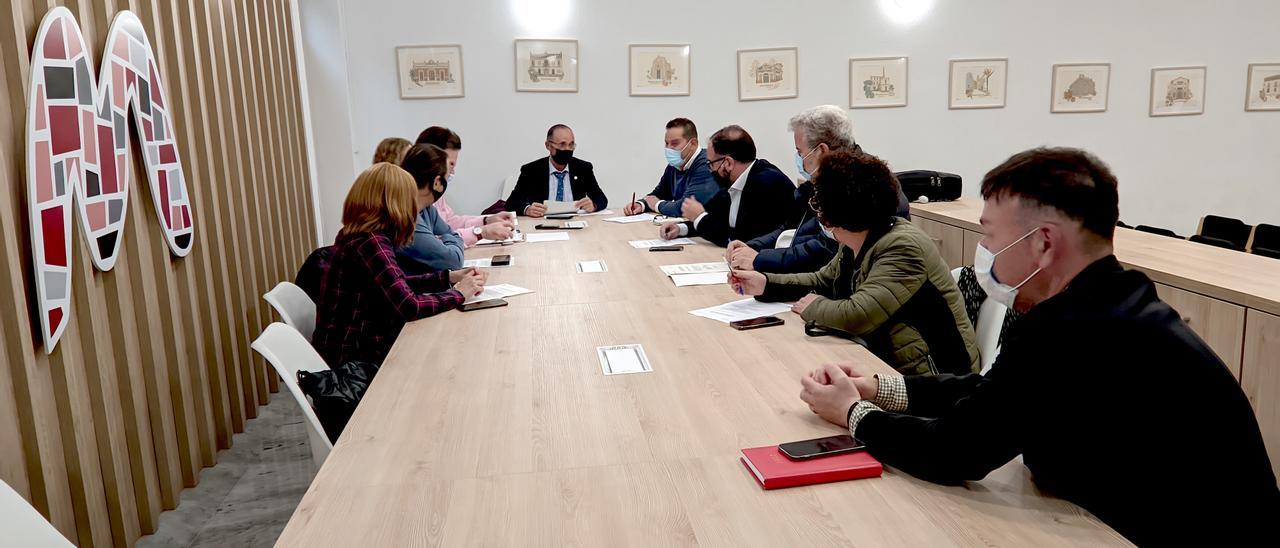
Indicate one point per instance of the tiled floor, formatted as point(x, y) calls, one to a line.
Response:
point(246, 499)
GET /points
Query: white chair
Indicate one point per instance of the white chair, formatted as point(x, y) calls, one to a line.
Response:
point(22, 525)
point(990, 320)
point(785, 239)
point(294, 306)
point(288, 352)
point(508, 185)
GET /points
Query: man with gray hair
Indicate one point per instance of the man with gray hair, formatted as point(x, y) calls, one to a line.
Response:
point(817, 132)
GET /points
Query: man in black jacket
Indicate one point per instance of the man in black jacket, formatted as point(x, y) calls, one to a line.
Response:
point(755, 196)
point(1114, 403)
point(559, 177)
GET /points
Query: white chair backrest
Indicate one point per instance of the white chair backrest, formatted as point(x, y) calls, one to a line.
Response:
point(22, 525)
point(990, 320)
point(294, 306)
point(785, 239)
point(508, 185)
point(285, 349)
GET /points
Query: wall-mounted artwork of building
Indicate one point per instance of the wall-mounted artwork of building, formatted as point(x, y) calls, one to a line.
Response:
point(878, 82)
point(547, 65)
point(1081, 87)
point(430, 72)
point(1177, 91)
point(978, 83)
point(1262, 88)
point(768, 74)
point(659, 70)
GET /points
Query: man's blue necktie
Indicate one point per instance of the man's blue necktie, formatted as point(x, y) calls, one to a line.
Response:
point(559, 184)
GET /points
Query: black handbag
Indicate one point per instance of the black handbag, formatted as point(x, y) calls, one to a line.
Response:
point(336, 392)
point(934, 185)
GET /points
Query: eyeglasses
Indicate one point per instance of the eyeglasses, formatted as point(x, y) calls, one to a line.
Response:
point(813, 203)
point(712, 164)
point(659, 220)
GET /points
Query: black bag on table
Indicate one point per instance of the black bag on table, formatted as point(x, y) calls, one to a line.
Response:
point(335, 393)
point(934, 185)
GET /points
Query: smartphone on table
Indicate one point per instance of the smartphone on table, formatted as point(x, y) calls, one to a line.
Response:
point(500, 260)
point(657, 248)
point(821, 447)
point(756, 323)
point(547, 226)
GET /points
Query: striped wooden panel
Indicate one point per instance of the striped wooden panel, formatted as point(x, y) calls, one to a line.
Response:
point(154, 374)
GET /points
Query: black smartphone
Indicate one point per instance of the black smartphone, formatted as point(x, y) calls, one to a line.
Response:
point(492, 303)
point(820, 447)
point(500, 260)
point(666, 248)
point(547, 226)
point(560, 216)
point(756, 323)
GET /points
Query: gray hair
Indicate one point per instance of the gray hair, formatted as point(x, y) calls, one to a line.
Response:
point(825, 124)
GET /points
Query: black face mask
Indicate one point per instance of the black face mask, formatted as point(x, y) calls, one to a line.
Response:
point(562, 156)
point(444, 185)
point(721, 180)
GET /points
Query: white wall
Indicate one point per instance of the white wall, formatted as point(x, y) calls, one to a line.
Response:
point(1172, 170)
point(324, 51)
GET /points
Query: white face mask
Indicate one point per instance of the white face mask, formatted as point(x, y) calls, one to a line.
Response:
point(827, 232)
point(984, 263)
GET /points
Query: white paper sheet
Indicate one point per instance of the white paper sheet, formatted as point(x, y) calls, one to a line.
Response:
point(560, 208)
point(623, 359)
point(695, 268)
point(701, 278)
point(646, 244)
point(641, 218)
point(601, 212)
point(589, 267)
point(575, 224)
point(745, 309)
point(500, 291)
point(547, 237)
point(486, 262)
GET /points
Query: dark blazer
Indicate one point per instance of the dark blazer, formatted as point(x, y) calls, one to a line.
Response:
point(1114, 403)
point(676, 185)
point(810, 249)
point(768, 199)
point(531, 187)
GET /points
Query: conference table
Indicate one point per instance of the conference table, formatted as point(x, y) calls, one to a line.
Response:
point(498, 427)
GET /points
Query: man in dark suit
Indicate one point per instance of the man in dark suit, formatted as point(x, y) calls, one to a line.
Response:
point(559, 177)
point(754, 198)
point(1113, 402)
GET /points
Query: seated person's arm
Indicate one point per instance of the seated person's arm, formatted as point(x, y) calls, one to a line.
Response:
point(429, 282)
point(895, 276)
point(802, 256)
point(379, 259)
point(977, 430)
point(789, 287)
point(766, 241)
point(711, 226)
point(435, 245)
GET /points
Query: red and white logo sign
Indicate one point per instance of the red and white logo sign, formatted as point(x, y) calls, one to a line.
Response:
point(78, 152)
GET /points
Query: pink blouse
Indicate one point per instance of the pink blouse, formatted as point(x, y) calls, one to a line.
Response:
point(461, 223)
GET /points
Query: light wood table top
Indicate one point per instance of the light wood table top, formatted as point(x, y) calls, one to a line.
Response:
point(1247, 280)
point(497, 427)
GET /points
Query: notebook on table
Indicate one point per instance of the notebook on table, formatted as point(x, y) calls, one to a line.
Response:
point(775, 470)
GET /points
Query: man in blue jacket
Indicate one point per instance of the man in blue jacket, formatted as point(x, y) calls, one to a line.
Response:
point(817, 132)
point(686, 175)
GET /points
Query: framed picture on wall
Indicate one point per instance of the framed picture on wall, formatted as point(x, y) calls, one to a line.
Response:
point(1263, 87)
point(659, 69)
point(429, 72)
point(768, 74)
point(1080, 87)
point(876, 82)
point(1177, 91)
point(977, 83)
point(547, 65)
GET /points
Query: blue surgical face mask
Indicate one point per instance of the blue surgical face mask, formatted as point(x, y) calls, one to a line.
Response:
point(800, 163)
point(675, 156)
point(827, 232)
point(984, 264)
point(449, 179)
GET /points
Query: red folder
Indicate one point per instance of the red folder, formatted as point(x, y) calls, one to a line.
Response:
point(775, 470)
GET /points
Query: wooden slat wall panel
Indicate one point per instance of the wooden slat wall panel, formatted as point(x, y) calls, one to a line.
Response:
point(154, 373)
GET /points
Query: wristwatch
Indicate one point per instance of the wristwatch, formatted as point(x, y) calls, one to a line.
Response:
point(477, 231)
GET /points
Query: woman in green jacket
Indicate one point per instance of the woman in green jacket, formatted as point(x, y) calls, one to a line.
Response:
point(887, 286)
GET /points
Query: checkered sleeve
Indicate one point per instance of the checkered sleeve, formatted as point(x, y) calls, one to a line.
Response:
point(429, 282)
point(379, 257)
point(892, 394)
point(856, 412)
